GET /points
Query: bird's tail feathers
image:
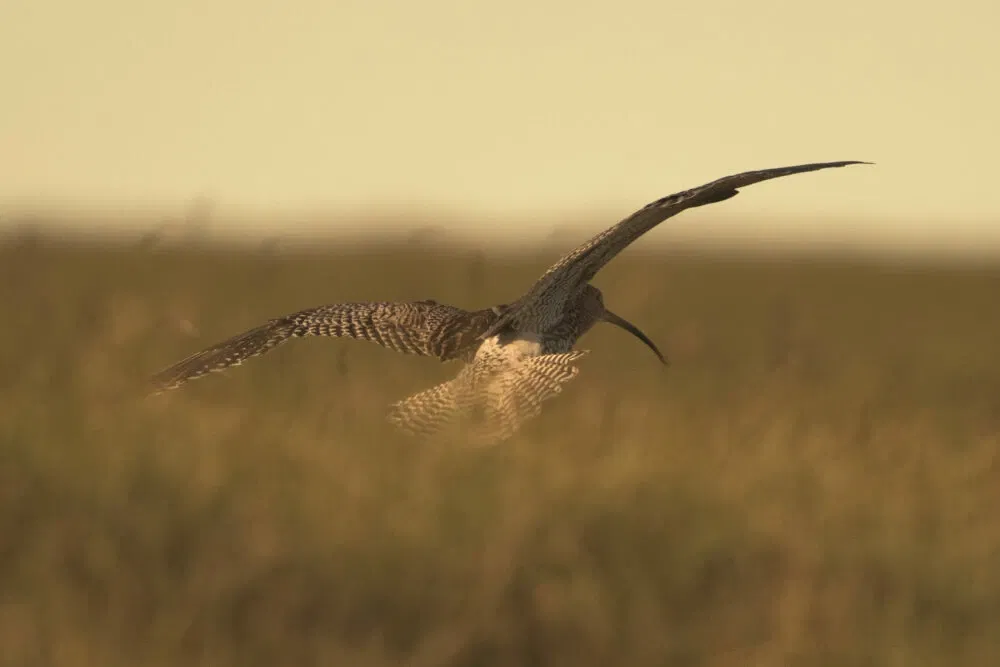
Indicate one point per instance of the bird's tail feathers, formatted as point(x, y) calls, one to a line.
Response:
point(487, 407)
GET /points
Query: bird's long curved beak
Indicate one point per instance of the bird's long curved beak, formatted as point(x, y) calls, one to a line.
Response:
point(611, 318)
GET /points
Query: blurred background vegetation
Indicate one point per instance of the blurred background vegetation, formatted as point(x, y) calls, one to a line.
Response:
point(814, 480)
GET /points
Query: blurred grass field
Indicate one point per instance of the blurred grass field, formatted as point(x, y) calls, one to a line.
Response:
point(814, 481)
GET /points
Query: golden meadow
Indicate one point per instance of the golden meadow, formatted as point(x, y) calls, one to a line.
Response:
point(814, 481)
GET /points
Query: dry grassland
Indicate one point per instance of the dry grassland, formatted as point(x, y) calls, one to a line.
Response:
point(814, 481)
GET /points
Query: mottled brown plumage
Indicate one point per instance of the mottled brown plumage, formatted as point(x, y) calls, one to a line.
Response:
point(518, 356)
point(425, 328)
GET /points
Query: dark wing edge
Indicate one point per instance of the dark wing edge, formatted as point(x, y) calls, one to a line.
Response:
point(582, 264)
point(425, 328)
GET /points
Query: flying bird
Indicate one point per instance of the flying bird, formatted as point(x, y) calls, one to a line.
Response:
point(516, 355)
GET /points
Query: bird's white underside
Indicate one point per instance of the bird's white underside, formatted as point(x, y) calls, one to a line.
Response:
point(526, 344)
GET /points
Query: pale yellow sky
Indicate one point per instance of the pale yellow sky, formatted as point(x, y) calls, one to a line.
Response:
point(508, 109)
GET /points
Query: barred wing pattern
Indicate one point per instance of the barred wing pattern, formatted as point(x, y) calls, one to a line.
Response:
point(490, 398)
point(425, 328)
point(545, 302)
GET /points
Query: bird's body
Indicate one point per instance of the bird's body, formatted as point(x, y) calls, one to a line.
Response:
point(517, 355)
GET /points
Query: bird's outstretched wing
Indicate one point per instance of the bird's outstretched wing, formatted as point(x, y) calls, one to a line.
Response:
point(580, 265)
point(424, 328)
point(490, 398)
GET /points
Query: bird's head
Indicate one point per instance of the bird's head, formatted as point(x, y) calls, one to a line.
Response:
point(593, 305)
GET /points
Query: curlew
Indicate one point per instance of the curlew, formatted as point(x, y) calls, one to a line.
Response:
point(517, 355)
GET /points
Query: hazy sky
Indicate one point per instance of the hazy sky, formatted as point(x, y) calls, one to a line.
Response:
point(509, 108)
